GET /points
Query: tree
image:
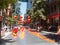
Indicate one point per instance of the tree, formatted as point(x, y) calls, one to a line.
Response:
point(38, 10)
point(4, 4)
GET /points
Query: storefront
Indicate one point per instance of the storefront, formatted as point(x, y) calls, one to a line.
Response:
point(54, 20)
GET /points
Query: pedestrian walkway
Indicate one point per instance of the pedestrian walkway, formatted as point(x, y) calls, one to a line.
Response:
point(51, 35)
point(46, 32)
point(6, 34)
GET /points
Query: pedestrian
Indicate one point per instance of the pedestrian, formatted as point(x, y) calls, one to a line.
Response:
point(39, 28)
point(5, 28)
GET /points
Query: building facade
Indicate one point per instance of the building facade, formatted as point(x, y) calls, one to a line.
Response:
point(29, 7)
point(17, 7)
point(53, 14)
point(23, 0)
point(52, 11)
point(29, 4)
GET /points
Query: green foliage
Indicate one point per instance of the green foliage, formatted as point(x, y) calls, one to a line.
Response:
point(38, 10)
point(4, 3)
point(29, 12)
point(10, 20)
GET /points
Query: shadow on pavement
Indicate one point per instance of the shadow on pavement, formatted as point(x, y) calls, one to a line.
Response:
point(4, 41)
point(54, 37)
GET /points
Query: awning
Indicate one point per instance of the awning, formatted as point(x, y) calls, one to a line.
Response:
point(53, 16)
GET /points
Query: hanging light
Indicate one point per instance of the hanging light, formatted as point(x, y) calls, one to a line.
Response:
point(15, 17)
point(29, 20)
point(28, 17)
point(21, 17)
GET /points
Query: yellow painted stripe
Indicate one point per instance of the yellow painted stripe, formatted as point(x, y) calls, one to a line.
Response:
point(41, 36)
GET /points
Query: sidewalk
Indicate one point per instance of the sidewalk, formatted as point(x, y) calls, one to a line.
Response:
point(45, 35)
point(5, 34)
point(39, 35)
point(51, 35)
point(46, 32)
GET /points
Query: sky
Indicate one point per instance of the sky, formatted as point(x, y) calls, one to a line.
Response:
point(23, 8)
